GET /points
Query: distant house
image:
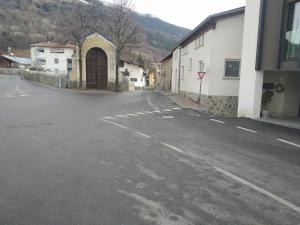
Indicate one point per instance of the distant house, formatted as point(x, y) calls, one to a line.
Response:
point(134, 73)
point(14, 61)
point(214, 47)
point(52, 57)
point(165, 72)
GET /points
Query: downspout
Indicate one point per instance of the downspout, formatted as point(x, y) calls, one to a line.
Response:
point(179, 68)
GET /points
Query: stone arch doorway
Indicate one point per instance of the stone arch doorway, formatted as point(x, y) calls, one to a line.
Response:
point(96, 68)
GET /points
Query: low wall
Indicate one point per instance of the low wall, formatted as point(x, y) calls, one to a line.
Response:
point(216, 105)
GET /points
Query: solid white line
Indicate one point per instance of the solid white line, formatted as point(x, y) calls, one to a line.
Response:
point(109, 118)
point(116, 124)
point(287, 142)
point(122, 116)
point(245, 129)
point(173, 148)
point(167, 110)
point(144, 135)
point(217, 121)
point(262, 191)
point(19, 90)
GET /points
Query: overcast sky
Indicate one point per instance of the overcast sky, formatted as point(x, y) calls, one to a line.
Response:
point(186, 13)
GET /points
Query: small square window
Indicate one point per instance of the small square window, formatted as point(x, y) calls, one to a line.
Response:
point(232, 68)
point(133, 79)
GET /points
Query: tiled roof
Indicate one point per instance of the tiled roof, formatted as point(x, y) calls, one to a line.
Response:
point(53, 45)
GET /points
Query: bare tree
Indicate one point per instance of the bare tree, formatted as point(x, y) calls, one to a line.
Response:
point(123, 29)
point(82, 20)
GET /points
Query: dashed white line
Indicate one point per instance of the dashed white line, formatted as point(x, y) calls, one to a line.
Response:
point(167, 110)
point(157, 111)
point(140, 113)
point(148, 112)
point(288, 142)
point(109, 118)
point(133, 115)
point(245, 129)
point(9, 96)
point(116, 124)
point(26, 95)
point(173, 148)
point(260, 190)
point(176, 108)
point(122, 116)
point(217, 121)
point(143, 135)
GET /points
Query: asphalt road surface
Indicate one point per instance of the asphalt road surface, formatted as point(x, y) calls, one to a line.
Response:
point(137, 158)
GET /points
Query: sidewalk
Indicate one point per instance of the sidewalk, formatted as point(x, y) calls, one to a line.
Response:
point(185, 102)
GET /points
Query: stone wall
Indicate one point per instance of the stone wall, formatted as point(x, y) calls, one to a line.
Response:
point(216, 105)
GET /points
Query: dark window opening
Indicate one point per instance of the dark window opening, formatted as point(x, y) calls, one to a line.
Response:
point(232, 68)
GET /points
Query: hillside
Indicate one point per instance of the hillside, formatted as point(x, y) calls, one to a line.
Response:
point(23, 22)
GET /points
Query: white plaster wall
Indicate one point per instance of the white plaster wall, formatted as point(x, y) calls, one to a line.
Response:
point(49, 57)
point(190, 82)
point(251, 81)
point(134, 72)
point(174, 79)
point(227, 41)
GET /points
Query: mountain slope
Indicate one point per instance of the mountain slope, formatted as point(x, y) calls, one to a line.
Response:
point(23, 22)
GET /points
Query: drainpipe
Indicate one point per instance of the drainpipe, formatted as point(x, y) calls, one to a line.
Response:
point(179, 68)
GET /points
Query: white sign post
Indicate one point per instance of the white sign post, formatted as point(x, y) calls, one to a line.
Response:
point(201, 75)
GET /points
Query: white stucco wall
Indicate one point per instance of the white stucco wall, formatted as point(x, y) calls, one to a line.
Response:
point(224, 42)
point(136, 72)
point(61, 67)
point(251, 81)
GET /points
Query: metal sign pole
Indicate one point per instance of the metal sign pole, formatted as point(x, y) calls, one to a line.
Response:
point(200, 92)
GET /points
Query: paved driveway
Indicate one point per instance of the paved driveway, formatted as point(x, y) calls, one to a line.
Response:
point(138, 158)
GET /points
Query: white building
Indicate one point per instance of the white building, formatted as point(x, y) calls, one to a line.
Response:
point(134, 73)
point(53, 57)
point(215, 47)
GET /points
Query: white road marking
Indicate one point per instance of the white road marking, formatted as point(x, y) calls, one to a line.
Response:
point(260, 190)
point(176, 108)
point(150, 103)
point(144, 135)
point(116, 124)
point(148, 112)
point(109, 118)
point(19, 90)
point(26, 95)
point(9, 96)
point(133, 115)
point(140, 113)
point(288, 142)
point(198, 115)
point(245, 129)
point(217, 121)
point(157, 111)
point(168, 117)
point(167, 110)
point(122, 116)
point(172, 147)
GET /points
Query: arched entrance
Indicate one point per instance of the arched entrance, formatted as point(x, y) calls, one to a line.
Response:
point(96, 68)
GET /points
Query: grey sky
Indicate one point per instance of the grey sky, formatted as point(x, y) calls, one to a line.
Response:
point(186, 13)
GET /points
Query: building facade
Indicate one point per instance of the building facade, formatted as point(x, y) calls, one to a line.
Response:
point(133, 73)
point(270, 71)
point(214, 47)
point(165, 73)
point(52, 57)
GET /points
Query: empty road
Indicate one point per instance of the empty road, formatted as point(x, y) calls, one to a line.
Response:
point(137, 158)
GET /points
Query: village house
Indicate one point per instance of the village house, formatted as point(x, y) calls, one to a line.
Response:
point(165, 73)
point(52, 57)
point(270, 79)
point(213, 47)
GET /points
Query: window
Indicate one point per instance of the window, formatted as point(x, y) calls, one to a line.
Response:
point(191, 64)
point(133, 79)
point(199, 42)
point(40, 50)
point(232, 68)
point(182, 73)
point(201, 66)
point(185, 50)
point(121, 64)
point(56, 61)
point(57, 50)
point(41, 62)
point(292, 36)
